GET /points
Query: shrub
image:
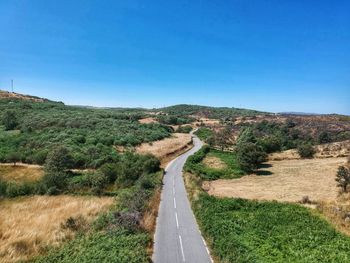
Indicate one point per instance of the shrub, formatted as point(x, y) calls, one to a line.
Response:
point(306, 150)
point(58, 160)
point(249, 156)
point(343, 178)
point(13, 157)
point(55, 182)
point(324, 137)
point(9, 120)
point(184, 129)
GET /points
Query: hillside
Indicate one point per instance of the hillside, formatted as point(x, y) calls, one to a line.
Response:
point(209, 112)
point(12, 95)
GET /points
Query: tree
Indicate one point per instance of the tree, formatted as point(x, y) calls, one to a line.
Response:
point(249, 156)
point(223, 137)
point(13, 157)
point(247, 135)
point(58, 160)
point(9, 120)
point(343, 178)
point(306, 150)
point(55, 182)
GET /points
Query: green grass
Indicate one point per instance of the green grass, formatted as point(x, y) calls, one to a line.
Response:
point(197, 167)
point(250, 231)
point(204, 133)
point(119, 247)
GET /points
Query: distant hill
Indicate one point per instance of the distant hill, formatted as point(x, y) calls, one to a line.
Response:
point(12, 95)
point(210, 112)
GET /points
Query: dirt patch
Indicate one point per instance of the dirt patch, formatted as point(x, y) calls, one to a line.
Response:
point(20, 173)
point(168, 148)
point(328, 150)
point(214, 162)
point(29, 225)
point(13, 95)
point(148, 120)
point(288, 180)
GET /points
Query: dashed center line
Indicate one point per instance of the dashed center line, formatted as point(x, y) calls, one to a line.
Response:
point(182, 249)
point(174, 203)
point(177, 221)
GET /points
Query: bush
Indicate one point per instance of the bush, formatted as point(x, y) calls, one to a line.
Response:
point(9, 120)
point(58, 160)
point(343, 178)
point(306, 150)
point(55, 182)
point(324, 137)
point(184, 129)
point(249, 156)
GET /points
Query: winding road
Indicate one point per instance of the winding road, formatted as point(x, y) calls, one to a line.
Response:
point(177, 237)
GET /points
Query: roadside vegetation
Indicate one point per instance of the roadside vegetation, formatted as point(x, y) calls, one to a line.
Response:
point(239, 230)
point(76, 149)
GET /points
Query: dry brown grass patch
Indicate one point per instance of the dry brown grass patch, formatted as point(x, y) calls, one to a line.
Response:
point(167, 148)
point(20, 173)
point(288, 180)
point(148, 120)
point(28, 226)
point(214, 162)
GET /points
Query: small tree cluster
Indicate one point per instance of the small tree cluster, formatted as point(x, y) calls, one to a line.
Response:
point(9, 120)
point(343, 178)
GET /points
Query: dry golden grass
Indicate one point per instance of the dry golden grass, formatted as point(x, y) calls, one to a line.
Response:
point(290, 181)
point(28, 226)
point(20, 173)
point(338, 212)
point(214, 162)
point(148, 120)
point(328, 150)
point(167, 148)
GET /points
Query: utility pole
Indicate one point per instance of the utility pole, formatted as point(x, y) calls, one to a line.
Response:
point(12, 85)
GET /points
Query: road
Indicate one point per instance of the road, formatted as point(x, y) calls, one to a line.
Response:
point(177, 237)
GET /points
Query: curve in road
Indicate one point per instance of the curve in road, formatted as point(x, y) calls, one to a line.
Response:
point(177, 237)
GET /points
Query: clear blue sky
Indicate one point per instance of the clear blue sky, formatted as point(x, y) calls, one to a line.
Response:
point(273, 55)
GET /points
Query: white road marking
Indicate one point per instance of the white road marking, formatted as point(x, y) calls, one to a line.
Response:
point(173, 190)
point(182, 249)
point(206, 248)
point(174, 203)
point(177, 221)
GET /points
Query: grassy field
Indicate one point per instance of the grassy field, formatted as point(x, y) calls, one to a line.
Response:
point(29, 225)
point(249, 231)
point(20, 173)
point(228, 169)
point(287, 180)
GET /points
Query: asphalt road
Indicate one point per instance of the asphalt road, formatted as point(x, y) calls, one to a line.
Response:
point(177, 237)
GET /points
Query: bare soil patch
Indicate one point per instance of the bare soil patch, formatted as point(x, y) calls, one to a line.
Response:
point(167, 148)
point(288, 180)
point(20, 173)
point(28, 226)
point(214, 162)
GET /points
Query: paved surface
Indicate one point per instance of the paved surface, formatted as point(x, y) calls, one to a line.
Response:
point(177, 237)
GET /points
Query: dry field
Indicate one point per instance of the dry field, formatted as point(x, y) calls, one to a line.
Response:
point(29, 225)
point(167, 148)
point(148, 120)
point(288, 180)
point(328, 150)
point(214, 162)
point(20, 173)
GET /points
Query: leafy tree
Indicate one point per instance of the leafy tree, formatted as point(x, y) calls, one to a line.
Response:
point(13, 157)
point(249, 156)
point(306, 150)
point(343, 178)
point(223, 137)
point(246, 135)
point(9, 120)
point(58, 160)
